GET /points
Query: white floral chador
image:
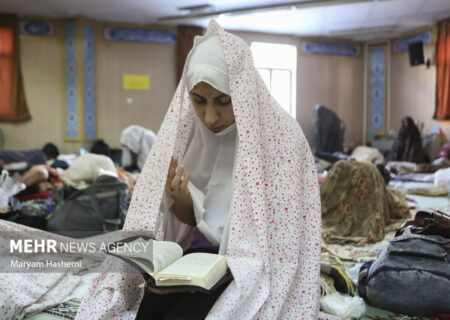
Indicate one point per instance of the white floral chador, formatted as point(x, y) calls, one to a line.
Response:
point(274, 233)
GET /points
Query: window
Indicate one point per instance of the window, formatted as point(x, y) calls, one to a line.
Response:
point(6, 71)
point(277, 64)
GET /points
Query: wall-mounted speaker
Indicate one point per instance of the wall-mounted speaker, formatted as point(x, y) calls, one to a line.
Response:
point(415, 50)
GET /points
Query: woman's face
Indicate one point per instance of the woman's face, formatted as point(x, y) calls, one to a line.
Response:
point(212, 106)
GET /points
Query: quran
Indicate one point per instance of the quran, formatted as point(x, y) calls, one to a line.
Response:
point(164, 266)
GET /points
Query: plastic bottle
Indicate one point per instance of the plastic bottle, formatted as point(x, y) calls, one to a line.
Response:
point(49, 204)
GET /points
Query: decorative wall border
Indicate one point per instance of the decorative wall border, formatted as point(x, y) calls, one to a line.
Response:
point(377, 93)
point(70, 34)
point(401, 45)
point(330, 48)
point(37, 28)
point(138, 35)
point(89, 81)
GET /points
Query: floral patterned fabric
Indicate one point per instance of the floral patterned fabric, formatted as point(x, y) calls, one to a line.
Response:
point(63, 311)
point(23, 293)
point(274, 240)
point(356, 205)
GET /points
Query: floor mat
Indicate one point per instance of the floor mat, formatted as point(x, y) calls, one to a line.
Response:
point(378, 314)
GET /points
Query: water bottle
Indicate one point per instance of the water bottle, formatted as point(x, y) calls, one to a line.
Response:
point(49, 204)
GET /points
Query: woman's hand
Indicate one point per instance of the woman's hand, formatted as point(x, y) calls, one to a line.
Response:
point(177, 187)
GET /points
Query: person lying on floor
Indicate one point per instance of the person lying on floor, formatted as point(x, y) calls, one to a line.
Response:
point(230, 171)
point(40, 181)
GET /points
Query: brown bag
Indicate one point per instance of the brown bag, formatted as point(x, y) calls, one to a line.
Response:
point(426, 222)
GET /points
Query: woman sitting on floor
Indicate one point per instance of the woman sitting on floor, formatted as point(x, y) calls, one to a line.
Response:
point(250, 190)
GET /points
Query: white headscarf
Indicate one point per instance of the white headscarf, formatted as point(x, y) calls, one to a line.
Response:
point(210, 156)
point(275, 220)
point(206, 62)
point(138, 140)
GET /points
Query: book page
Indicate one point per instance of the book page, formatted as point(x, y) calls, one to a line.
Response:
point(165, 253)
point(151, 255)
point(203, 269)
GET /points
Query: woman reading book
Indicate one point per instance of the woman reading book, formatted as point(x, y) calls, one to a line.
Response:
point(230, 171)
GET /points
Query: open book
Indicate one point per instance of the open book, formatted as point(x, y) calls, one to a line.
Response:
point(165, 265)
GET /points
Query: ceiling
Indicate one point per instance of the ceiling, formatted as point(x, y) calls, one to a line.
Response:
point(363, 20)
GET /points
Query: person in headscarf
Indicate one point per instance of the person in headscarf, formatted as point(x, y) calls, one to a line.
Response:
point(408, 144)
point(136, 143)
point(328, 131)
point(250, 190)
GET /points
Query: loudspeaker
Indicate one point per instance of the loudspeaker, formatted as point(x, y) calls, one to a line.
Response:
point(416, 53)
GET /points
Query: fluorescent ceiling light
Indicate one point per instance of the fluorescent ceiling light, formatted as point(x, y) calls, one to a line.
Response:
point(361, 31)
point(204, 8)
point(275, 6)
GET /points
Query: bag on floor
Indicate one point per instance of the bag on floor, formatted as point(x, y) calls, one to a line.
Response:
point(90, 211)
point(411, 275)
point(428, 222)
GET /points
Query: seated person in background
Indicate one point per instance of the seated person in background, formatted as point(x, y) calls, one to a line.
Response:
point(357, 205)
point(408, 144)
point(244, 181)
point(51, 151)
point(328, 131)
point(101, 147)
point(136, 143)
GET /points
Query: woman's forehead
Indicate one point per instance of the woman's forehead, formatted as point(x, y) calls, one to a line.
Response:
point(204, 88)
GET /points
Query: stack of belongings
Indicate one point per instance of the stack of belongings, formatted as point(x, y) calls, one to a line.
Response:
point(338, 290)
point(411, 274)
point(333, 277)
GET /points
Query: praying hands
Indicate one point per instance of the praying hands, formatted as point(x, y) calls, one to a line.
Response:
point(177, 186)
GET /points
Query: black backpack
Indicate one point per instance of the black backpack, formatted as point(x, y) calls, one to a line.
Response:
point(90, 211)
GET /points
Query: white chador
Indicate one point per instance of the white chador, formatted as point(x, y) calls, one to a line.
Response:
point(254, 188)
